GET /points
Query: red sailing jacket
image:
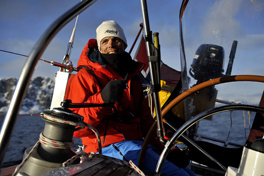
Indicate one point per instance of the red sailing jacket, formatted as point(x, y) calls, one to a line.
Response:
point(132, 109)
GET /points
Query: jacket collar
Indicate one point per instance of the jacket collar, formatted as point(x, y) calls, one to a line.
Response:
point(92, 58)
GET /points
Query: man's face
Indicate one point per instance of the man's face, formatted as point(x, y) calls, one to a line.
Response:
point(112, 45)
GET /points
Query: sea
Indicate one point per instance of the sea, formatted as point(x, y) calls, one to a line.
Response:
point(231, 127)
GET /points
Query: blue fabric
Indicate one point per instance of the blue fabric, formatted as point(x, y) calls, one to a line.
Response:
point(131, 150)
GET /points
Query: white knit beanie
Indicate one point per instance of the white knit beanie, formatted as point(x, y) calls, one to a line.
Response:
point(109, 29)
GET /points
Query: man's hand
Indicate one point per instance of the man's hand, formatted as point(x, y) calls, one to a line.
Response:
point(113, 91)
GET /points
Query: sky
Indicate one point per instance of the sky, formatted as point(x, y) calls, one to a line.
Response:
point(29, 19)
point(206, 21)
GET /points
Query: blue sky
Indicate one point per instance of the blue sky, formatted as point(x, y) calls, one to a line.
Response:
point(25, 21)
point(207, 21)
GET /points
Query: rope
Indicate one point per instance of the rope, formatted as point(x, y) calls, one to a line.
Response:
point(245, 128)
point(67, 122)
point(231, 124)
point(53, 143)
point(25, 159)
point(149, 91)
point(245, 124)
point(249, 117)
point(13, 53)
point(94, 130)
point(82, 156)
point(133, 166)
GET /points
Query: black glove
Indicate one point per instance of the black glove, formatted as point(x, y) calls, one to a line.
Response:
point(113, 91)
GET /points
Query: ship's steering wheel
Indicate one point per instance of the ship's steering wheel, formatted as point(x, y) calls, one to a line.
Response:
point(199, 117)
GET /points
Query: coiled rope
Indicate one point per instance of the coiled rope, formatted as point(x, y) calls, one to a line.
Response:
point(53, 143)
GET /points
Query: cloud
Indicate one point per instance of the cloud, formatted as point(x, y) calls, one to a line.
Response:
point(251, 42)
point(239, 92)
point(220, 19)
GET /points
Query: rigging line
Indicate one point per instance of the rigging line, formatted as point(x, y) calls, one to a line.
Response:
point(249, 117)
point(245, 123)
point(14, 53)
point(21, 115)
point(245, 128)
point(141, 27)
point(50, 62)
point(21, 55)
point(230, 128)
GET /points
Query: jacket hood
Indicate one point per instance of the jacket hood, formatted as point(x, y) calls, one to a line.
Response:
point(91, 57)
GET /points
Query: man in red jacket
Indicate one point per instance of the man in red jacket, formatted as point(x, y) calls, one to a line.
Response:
point(107, 74)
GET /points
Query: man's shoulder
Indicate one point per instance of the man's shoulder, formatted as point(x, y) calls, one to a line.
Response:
point(84, 71)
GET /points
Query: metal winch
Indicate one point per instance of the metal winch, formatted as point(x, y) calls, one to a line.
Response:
point(54, 145)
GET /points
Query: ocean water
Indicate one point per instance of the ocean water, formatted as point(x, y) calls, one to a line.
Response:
point(28, 128)
point(232, 127)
